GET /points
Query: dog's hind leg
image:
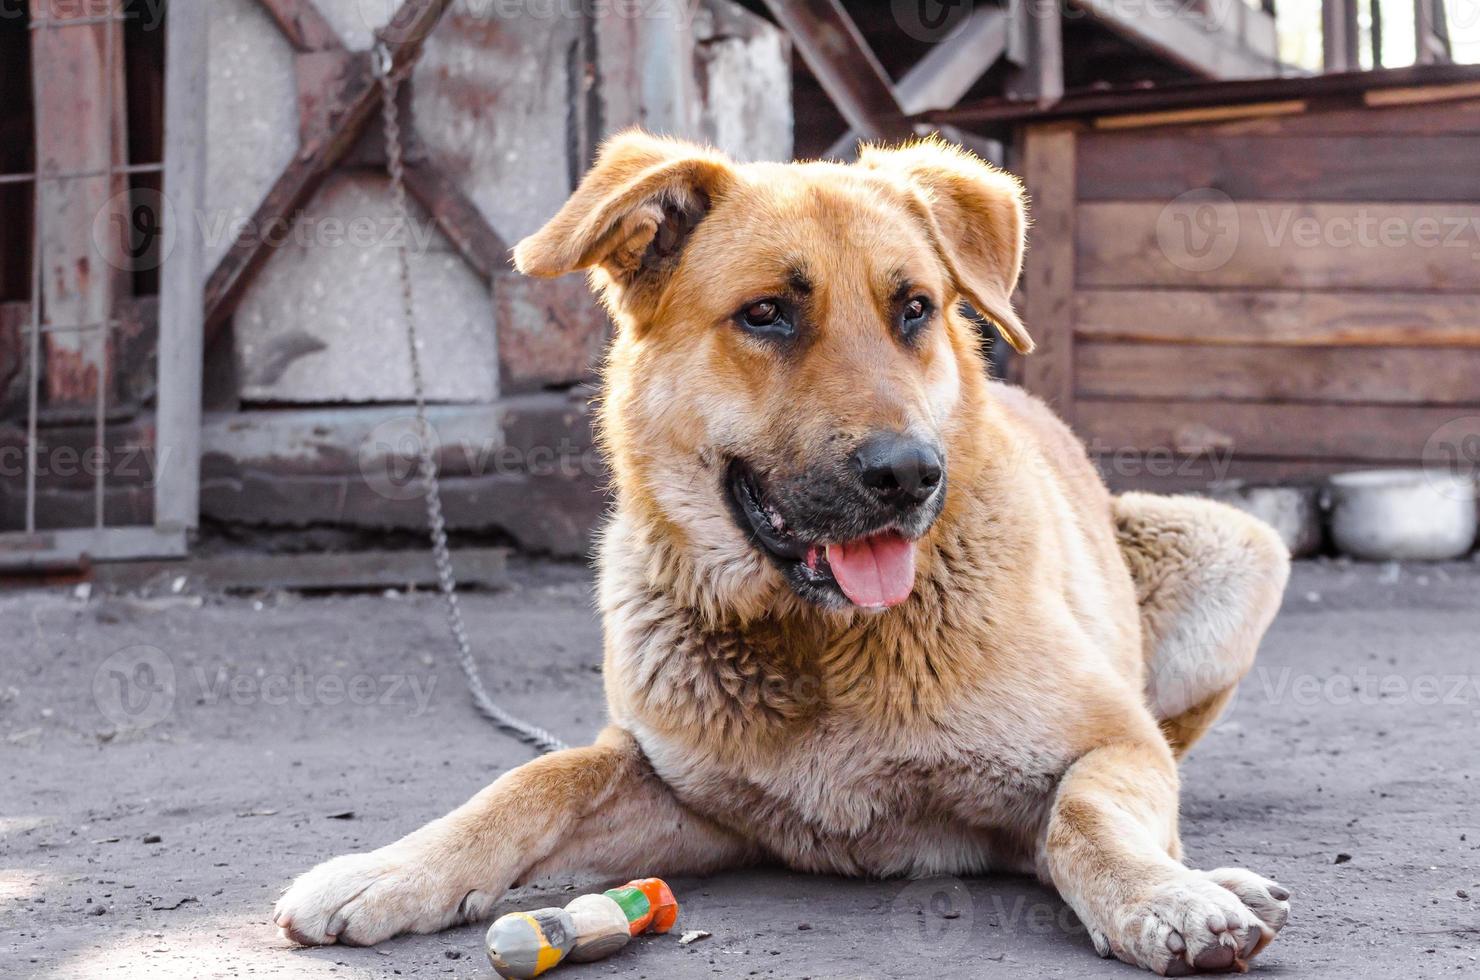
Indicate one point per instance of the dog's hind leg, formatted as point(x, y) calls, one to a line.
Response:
point(597, 809)
point(1209, 580)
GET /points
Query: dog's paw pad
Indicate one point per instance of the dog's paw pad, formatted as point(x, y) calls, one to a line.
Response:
point(1268, 900)
point(1211, 922)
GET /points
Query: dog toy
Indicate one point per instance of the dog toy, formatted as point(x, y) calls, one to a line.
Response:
point(522, 945)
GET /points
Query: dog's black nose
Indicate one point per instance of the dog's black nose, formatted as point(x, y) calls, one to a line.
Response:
point(899, 469)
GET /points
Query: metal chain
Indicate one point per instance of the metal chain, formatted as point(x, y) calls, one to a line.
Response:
point(390, 82)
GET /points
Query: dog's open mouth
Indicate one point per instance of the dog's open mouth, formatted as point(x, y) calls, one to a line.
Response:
point(875, 571)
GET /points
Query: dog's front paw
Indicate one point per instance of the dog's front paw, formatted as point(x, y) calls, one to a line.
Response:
point(362, 899)
point(1199, 921)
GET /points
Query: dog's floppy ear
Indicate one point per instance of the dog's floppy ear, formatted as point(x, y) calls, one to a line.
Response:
point(633, 211)
point(978, 215)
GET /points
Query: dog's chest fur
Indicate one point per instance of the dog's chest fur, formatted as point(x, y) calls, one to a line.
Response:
point(859, 752)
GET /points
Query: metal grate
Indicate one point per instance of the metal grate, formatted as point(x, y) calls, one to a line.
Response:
point(176, 421)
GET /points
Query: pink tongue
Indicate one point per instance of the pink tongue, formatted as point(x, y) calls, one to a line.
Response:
point(874, 572)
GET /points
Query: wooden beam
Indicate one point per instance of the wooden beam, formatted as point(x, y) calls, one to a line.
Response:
point(1276, 317)
point(1372, 433)
point(1048, 269)
point(1373, 246)
point(1447, 80)
point(1036, 48)
point(942, 77)
point(303, 25)
point(355, 96)
point(1204, 114)
point(1344, 375)
point(1243, 47)
point(1424, 94)
point(1158, 166)
point(832, 47)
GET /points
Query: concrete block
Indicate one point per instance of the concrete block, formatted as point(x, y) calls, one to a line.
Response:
point(497, 103)
point(525, 466)
point(322, 321)
point(743, 66)
point(252, 124)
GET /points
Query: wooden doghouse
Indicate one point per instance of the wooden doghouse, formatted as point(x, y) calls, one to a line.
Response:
point(1265, 280)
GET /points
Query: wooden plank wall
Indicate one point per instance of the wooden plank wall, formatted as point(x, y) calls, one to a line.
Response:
point(1272, 297)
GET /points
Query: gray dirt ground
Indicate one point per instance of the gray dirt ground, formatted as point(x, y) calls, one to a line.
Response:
point(158, 853)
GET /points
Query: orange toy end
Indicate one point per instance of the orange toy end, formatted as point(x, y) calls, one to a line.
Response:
point(660, 897)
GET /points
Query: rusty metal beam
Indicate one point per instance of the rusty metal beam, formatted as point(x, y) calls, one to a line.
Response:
point(303, 25)
point(458, 217)
point(831, 45)
point(78, 98)
point(339, 118)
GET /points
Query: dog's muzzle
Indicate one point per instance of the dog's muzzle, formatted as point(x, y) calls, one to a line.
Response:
point(844, 535)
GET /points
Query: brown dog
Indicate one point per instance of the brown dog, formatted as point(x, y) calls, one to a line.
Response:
point(867, 611)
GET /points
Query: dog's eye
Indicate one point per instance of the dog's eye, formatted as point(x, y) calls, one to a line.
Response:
point(766, 318)
point(762, 314)
point(914, 315)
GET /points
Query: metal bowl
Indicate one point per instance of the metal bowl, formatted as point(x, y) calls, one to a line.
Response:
point(1402, 515)
point(1293, 511)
